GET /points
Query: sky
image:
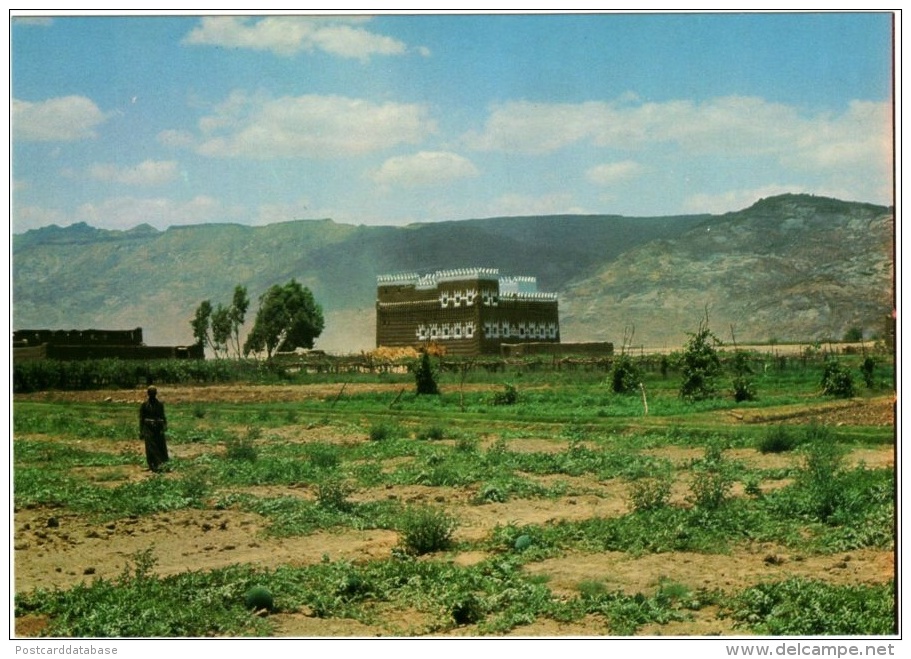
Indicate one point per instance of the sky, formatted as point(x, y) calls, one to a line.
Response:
point(396, 119)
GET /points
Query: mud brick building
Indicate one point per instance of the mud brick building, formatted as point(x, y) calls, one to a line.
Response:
point(71, 345)
point(471, 311)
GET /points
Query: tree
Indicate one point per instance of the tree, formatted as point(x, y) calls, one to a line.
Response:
point(288, 318)
point(239, 305)
point(219, 327)
point(425, 378)
point(200, 324)
point(701, 365)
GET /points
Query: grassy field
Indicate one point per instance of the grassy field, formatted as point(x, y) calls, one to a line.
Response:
point(531, 502)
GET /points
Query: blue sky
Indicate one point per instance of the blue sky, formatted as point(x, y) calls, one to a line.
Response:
point(414, 118)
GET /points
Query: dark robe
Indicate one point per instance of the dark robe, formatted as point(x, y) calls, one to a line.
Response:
point(152, 425)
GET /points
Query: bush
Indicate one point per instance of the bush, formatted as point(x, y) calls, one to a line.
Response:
point(381, 431)
point(425, 529)
point(853, 335)
point(323, 456)
point(432, 433)
point(837, 380)
point(744, 389)
point(625, 376)
point(802, 607)
point(509, 396)
point(777, 439)
point(867, 367)
point(425, 377)
point(650, 493)
point(700, 365)
point(241, 449)
point(712, 480)
point(332, 494)
point(821, 478)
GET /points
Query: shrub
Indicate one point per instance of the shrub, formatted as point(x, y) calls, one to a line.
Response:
point(712, 480)
point(801, 607)
point(867, 367)
point(432, 433)
point(837, 380)
point(425, 377)
point(425, 529)
point(323, 456)
point(492, 493)
point(332, 494)
point(509, 396)
point(821, 478)
point(700, 365)
point(650, 493)
point(241, 449)
point(744, 389)
point(854, 334)
point(625, 375)
point(465, 608)
point(381, 431)
point(777, 439)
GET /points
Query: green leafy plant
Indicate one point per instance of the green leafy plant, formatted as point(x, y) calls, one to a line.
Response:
point(649, 493)
point(288, 318)
point(241, 448)
point(382, 431)
point(837, 380)
point(625, 375)
point(712, 479)
point(700, 364)
point(432, 433)
point(743, 389)
point(777, 439)
point(802, 607)
point(509, 395)
point(426, 529)
point(333, 494)
point(867, 370)
point(425, 377)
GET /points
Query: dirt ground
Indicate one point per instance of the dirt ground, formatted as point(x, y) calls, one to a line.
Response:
point(55, 548)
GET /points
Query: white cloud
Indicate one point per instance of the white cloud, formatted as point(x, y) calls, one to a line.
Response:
point(178, 139)
point(524, 127)
point(160, 212)
point(425, 168)
point(148, 173)
point(309, 126)
point(732, 126)
point(64, 119)
point(288, 35)
point(614, 172)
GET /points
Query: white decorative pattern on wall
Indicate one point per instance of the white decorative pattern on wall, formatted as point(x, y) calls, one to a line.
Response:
point(522, 330)
point(445, 331)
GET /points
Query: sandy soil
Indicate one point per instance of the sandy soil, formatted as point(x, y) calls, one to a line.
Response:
point(56, 548)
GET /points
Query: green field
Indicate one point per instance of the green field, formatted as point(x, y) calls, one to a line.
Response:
point(531, 499)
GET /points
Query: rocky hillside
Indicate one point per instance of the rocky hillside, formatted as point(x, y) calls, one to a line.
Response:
point(789, 267)
point(792, 267)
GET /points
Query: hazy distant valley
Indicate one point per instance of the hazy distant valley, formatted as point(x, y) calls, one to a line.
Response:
point(793, 267)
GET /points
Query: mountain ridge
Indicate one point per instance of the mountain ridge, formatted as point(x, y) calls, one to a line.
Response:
point(832, 263)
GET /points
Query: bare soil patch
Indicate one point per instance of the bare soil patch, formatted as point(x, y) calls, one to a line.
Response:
point(54, 548)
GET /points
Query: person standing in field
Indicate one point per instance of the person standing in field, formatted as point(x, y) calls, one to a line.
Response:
point(152, 426)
